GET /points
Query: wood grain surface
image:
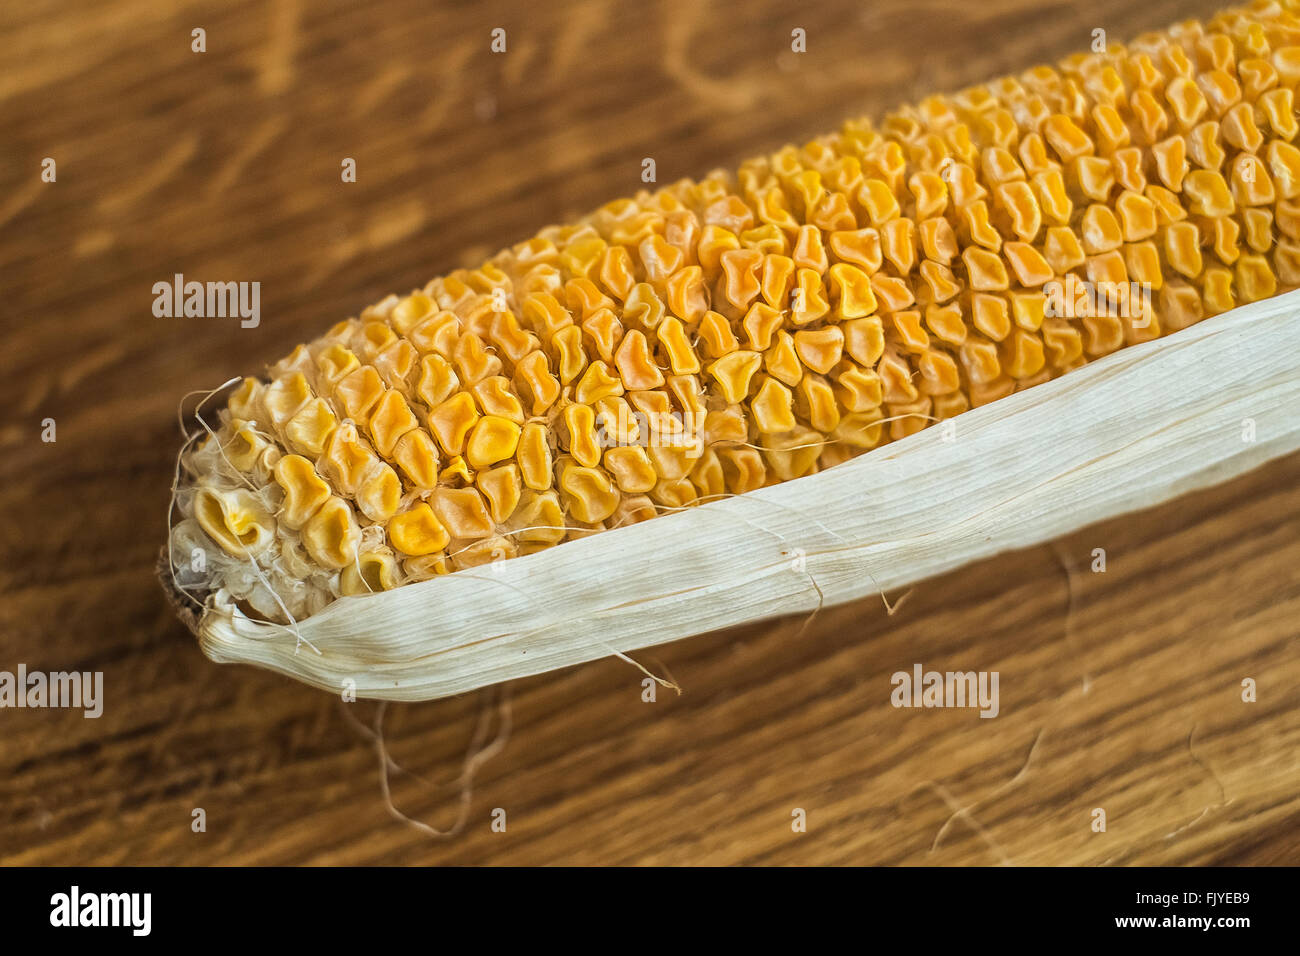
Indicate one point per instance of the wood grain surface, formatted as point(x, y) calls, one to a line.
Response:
point(1119, 690)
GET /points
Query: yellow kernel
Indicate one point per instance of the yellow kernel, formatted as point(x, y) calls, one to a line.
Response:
point(359, 392)
point(567, 344)
point(494, 397)
point(379, 495)
point(417, 455)
point(945, 322)
point(985, 270)
point(438, 380)
point(991, 315)
point(850, 288)
point(635, 364)
point(246, 447)
point(596, 384)
point(392, 418)
point(417, 531)
point(371, 573)
point(286, 396)
point(892, 293)
point(331, 535)
point(492, 439)
point(1095, 177)
point(1209, 194)
point(777, 280)
point(310, 429)
point(246, 400)
point(898, 242)
point(859, 389)
point(717, 335)
point(451, 422)
point(631, 469)
point(782, 361)
point(462, 512)
point(1022, 354)
point(304, 490)
point(334, 362)
point(1017, 200)
point(864, 339)
point(1255, 279)
point(760, 324)
point(979, 358)
point(534, 457)
point(1101, 230)
point(580, 422)
point(236, 520)
point(733, 373)
point(1053, 200)
point(502, 487)
point(681, 356)
point(860, 247)
point(589, 493)
point(820, 350)
point(1066, 138)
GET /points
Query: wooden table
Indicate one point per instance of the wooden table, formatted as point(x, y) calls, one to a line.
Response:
point(1119, 691)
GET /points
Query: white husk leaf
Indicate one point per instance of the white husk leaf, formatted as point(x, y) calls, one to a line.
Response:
point(1126, 432)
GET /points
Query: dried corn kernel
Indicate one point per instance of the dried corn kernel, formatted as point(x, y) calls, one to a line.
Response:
point(418, 531)
point(372, 572)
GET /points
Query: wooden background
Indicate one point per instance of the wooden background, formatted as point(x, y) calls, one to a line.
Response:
point(1118, 690)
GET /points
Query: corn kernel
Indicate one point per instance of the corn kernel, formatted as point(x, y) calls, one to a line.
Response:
point(492, 439)
point(418, 531)
point(331, 535)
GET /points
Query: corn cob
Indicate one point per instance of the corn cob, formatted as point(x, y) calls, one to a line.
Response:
point(714, 337)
